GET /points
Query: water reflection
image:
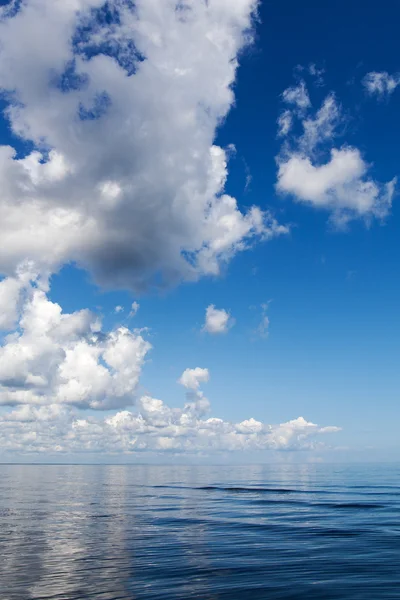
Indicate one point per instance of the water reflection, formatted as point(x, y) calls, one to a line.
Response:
point(132, 532)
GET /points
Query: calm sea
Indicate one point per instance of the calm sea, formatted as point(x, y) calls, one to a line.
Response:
point(147, 532)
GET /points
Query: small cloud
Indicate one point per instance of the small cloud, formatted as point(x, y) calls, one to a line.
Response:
point(249, 177)
point(118, 309)
point(285, 122)
point(134, 309)
point(192, 378)
point(263, 327)
point(298, 70)
point(317, 74)
point(217, 320)
point(231, 150)
point(298, 96)
point(380, 84)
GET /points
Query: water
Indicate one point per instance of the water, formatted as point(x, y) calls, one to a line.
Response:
point(147, 532)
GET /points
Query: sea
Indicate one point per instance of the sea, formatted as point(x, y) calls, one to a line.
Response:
point(146, 532)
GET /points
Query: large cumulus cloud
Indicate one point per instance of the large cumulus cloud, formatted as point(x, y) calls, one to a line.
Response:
point(53, 357)
point(121, 102)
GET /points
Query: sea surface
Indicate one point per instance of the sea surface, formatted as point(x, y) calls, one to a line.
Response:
point(151, 532)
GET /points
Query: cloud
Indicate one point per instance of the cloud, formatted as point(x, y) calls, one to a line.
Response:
point(122, 104)
point(263, 327)
point(134, 309)
point(380, 84)
point(249, 177)
point(118, 309)
point(11, 294)
point(317, 74)
point(54, 366)
point(322, 127)
point(192, 378)
point(294, 433)
point(340, 184)
point(54, 357)
point(116, 107)
point(217, 320)
point(285, 122)
point(196, 402)
point(153, 428)
point(298, 96)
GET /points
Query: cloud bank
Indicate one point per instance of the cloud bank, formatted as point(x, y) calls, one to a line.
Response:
point(154, 428)
point(55, 366)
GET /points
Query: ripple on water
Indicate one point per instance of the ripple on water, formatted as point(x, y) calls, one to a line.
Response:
point(132, 533)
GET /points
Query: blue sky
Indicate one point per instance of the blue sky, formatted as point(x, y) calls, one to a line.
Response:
point(330, 291)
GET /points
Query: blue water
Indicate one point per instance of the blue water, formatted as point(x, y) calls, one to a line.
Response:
point(146, 532)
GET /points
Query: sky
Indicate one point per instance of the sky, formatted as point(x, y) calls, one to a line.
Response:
point(199, 231)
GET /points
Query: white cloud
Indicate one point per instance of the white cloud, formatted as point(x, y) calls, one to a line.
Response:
point(153, 428)
point(295, 432)
point(263, 327)
point(381, 84)
point(196, 403)
point(54, 366)
point(11, 294)
point(217, 320)
point(134, 309)
point(249, 177)
point(250, 426)
point(192, 378)
point(118, 309)
point(125, 179)
point(317, 73)
point(298, 96)
point(322, 127)
point(10, 291)
point(340, 184)
point(285, 122)
point(53, 357)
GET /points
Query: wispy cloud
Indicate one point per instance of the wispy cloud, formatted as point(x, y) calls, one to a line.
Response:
point(134, 309)
point(381, 84)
